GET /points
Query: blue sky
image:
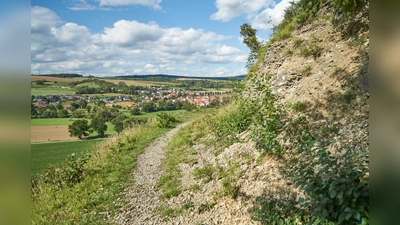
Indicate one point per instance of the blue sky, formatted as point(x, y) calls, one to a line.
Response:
point(124, 37)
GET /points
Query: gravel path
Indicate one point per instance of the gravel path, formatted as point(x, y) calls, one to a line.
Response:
point(143, 195)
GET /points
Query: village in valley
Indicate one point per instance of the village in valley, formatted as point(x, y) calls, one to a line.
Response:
point(143, 96)
point(61, 99)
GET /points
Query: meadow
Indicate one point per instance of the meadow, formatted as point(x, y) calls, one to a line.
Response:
point(55, 153)
point(51, 91)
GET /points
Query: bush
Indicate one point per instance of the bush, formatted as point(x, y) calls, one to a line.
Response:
point(336, 187)
point(135, 111)
point(70, 173)
point(165, 120)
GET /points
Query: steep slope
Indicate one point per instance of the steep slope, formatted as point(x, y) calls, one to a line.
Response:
point(293, 149)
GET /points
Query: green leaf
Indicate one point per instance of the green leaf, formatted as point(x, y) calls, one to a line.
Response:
point(348, 216)
point(333, 193)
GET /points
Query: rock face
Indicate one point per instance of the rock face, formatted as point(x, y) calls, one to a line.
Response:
point(325, 68)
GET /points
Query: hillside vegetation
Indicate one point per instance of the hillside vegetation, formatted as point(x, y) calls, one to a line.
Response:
point(293, 148)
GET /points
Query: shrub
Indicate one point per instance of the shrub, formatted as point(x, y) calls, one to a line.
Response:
point(336, 187)
point(348, 96)
point(165, 120)
point(306, 70)
point(311, 49)
point(205, 173)
point(297, 42)
point(297, 106)
point(70, 173)
point(289, 52)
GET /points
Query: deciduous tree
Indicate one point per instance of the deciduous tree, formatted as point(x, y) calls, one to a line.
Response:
point(79, 128)
point(250, 39)
point(99, 125)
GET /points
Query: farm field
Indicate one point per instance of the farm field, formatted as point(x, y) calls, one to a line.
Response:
point(140, 82)
point(91, 85)
point(51, 91)
point(51, 122)
point(58, 79)
point(56, 129)
point(44, 154)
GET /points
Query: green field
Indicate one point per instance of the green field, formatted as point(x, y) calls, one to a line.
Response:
point(42, 155)
point(51, 122)
point(51, 91)
point(91, 85)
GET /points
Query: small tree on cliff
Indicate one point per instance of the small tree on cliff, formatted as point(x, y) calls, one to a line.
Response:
point(250, 39)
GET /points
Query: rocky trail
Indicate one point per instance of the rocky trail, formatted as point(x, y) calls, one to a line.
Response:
point(143, 196)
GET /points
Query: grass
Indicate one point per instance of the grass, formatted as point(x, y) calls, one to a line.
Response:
point(177, 152)
point(102, 182)
point(52, 91)
point(289, 52)
point(51, 122)
point(42, 155)
point(91, 85)
point(310, 49)
point(306, 70)
point(154, 114)
point(297, 106)
point(205, 173)
point(298, 41)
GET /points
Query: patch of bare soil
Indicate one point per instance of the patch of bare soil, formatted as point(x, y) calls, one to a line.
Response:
point(50, 133)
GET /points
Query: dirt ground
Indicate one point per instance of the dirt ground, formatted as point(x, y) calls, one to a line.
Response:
point(121, 104)
point(50, 133)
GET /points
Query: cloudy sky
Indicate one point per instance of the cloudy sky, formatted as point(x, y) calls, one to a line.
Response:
point(124, 37)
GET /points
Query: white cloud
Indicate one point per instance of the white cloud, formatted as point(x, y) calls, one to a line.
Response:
point(131, 33)
point(151, 3)
point(262, 14)
point(80, 5)
point(148, 66)
point(270, 17)
point(126, 47)
point(43, 19)
point(229, 9)
point(71, 33)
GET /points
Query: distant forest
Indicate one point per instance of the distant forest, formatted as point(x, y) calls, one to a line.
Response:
point(63, 75)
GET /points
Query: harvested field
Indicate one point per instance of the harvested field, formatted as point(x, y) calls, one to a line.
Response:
point(124, 104)
point(50, 133)
point(58, 79)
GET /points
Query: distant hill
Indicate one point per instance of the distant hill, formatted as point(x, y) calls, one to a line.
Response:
point(165, 76)
point(63, 75)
